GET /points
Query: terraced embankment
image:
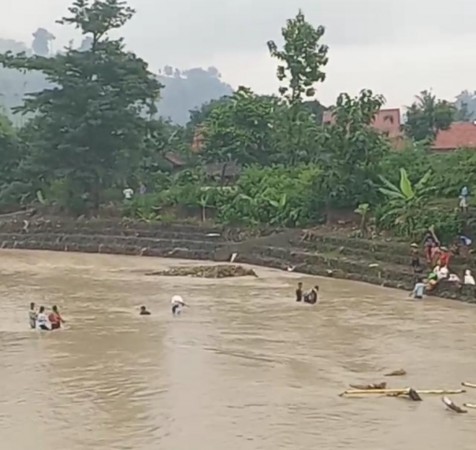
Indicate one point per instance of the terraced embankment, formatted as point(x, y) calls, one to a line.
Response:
point(316, 253)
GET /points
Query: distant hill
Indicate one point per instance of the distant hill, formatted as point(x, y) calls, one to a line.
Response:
point(184, 90)
point(189, 89)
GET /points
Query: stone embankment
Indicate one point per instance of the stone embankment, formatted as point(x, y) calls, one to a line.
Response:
point(316, 253)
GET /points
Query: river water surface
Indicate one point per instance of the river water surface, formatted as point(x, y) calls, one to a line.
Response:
point(245, 367)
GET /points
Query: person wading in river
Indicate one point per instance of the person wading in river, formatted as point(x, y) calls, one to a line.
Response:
point(32, 315)
point(312, 297)
point(42, 322)
point(143, 311)
point(177, 304)
point(299, 293)
point(55, 318)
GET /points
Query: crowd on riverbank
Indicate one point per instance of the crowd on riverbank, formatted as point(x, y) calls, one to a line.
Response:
point(438, 260)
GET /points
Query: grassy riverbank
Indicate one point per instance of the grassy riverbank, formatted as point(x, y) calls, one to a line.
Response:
point(323, 252)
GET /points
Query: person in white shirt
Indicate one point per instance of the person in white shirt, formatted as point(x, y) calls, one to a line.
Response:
point(443, 273)
point(42, 322)
point(468, 278)
point(177, 304)
point(128, 193)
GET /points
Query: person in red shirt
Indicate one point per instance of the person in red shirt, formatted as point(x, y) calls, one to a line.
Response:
point(55, 318)
point(445, 257)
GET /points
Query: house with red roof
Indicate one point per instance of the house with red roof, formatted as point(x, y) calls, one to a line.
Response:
point(459, 135)
point(387, 121)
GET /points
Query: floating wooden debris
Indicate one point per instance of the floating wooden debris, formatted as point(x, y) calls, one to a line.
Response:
point(382, 385)
point(219, 271)
point(413, 395)
point(451, 405)
point(403, 391)
point(470, 405)
point(470, 385)
point(396, 373)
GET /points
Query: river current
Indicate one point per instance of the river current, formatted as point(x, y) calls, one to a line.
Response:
point(244, 368)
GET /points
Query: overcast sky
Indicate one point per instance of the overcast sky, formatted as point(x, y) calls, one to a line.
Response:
point(394, 47)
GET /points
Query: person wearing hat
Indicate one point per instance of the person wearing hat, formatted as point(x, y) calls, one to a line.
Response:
point(177, 304)
point(415, 258)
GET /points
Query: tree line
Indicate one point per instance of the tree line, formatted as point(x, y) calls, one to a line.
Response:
point(95, 130)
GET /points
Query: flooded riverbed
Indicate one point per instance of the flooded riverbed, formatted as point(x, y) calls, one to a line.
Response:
point(244, 368)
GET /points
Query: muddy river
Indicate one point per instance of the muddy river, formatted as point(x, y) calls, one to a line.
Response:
point(245, 367)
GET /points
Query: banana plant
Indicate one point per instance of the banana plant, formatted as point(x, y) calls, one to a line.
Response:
point(405, 202)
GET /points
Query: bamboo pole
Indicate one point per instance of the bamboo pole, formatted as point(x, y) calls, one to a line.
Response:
point(470, 385)
point(402, 391)
point(451, 405)
point(470, 405)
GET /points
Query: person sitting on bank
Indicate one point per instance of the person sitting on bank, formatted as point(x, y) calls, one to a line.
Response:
point(144, 311)
point(299, 293)
point(55, 318)
point(42, 322)
point(432, 281)
point(32, 315)
point(468, 278)
point(312, 297)
point(418, 290)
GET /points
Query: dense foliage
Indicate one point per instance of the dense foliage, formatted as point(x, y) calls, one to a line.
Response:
point(428, 115)
point(94, 132)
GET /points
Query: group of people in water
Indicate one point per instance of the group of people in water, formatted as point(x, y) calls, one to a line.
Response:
point(311, 296)
point(41, 320)
point(438, 258)
point(177, 304)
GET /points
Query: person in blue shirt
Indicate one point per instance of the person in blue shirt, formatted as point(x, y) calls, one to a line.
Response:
point(419, 289)
point(463, 199)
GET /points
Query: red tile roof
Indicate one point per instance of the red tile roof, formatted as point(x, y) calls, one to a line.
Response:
point(459, 135)
point(387, 121)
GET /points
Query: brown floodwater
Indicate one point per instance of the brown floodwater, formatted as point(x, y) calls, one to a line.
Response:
point(244, 367)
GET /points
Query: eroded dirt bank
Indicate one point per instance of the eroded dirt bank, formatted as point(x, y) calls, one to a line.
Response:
point(321, 253)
